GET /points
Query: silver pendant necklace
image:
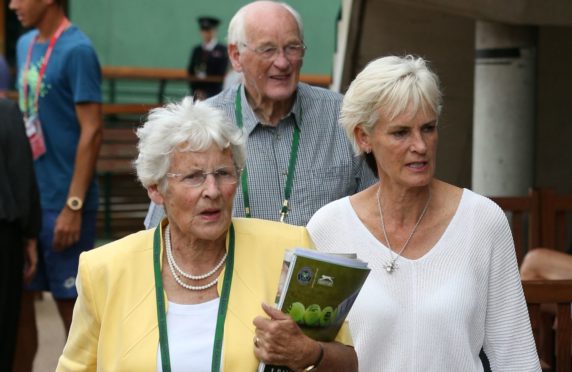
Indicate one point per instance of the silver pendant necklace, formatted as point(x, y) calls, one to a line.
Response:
point(177, 272)
point(391, 265)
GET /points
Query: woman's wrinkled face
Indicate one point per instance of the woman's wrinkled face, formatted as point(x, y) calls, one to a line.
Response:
point(405, 148)
point(199, 211)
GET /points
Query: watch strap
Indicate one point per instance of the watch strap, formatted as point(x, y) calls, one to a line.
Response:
point(314, 366)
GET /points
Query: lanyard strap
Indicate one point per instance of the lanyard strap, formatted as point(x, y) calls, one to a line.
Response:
point(222, 308)
point(291, 163)
point(63, 25)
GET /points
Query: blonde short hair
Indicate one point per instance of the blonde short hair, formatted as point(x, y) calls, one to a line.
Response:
point(390, 86)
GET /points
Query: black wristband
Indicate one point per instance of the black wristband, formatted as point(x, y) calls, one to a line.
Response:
point(314, 366)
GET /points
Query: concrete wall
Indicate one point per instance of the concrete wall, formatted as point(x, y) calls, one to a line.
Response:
point(516, 12)
point(447, 41)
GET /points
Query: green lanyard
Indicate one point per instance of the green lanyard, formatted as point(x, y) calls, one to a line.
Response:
point(291, 164)
point(223, 304)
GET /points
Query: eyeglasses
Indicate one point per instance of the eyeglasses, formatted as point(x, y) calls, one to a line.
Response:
point(270, 52)
point(197, 177)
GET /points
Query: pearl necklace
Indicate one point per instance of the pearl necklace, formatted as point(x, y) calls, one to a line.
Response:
point(178, 272)
point(391, 265)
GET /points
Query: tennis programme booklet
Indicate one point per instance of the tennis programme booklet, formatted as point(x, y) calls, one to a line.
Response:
point(317, 290)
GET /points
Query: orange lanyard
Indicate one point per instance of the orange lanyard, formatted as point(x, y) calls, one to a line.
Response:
point(63, 25)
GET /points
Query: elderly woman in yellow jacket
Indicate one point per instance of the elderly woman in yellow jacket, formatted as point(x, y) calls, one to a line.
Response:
point(187, 295)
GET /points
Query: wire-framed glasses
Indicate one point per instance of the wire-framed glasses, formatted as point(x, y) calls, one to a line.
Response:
point(197, 177)
point(294, 51)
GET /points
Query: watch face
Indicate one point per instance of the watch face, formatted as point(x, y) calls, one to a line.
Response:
point(74, 203)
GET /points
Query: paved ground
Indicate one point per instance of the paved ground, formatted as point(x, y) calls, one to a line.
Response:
point(51, 332)
point(51, 335)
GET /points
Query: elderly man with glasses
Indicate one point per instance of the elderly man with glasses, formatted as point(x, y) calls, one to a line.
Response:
point(298, 157)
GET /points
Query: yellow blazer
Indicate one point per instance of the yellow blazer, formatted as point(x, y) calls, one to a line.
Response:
point(114, 325)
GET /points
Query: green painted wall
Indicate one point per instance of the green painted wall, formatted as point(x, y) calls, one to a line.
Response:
point(161, 33)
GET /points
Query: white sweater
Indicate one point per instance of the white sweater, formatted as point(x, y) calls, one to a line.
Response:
point(436, 312)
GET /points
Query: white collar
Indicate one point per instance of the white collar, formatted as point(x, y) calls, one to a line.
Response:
point(210, 45)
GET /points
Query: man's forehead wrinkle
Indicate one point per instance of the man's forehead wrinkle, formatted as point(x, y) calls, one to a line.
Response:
point(261, 25)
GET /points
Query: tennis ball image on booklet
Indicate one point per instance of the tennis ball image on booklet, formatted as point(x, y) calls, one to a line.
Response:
point(296, 312)
point(327, 316)
point(312, 315)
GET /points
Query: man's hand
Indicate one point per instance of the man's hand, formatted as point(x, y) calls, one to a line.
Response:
point(279, 341)
point(30, 259)
point(67, 229)
point(68, 224)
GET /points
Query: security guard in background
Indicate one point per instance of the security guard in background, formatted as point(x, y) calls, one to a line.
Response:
point(208, 60)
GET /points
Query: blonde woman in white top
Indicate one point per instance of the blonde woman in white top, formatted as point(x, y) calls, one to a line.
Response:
point(444, 281)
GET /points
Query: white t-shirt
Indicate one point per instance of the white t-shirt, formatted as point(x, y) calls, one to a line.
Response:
point(436, 312)
point(191, 331)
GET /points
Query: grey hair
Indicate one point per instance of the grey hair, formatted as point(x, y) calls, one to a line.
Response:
point(389, 86)
point(183, 126)
point(237, 26)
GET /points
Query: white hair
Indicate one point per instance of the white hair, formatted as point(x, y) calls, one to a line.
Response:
point(389, 86)
point(237, 26)
point(183, 126)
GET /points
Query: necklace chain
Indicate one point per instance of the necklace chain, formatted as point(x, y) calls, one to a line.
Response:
point(391, 265)
point(178, 272)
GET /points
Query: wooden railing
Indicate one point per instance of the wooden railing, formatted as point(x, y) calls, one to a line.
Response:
point(112, 109)
point(123, 204)
point(556, 293)
point(163, 76)
point(554, 213)
point(112, 74)
point(118, 150)
point(123, 201)
point(538, 219)
point(523, 213)
point(179, 74)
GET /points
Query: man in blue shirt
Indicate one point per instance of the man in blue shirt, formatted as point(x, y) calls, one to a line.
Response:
point(59, 83)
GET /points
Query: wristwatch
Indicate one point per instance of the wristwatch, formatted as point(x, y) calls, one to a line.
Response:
point(314, 367)
point(74, 203)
